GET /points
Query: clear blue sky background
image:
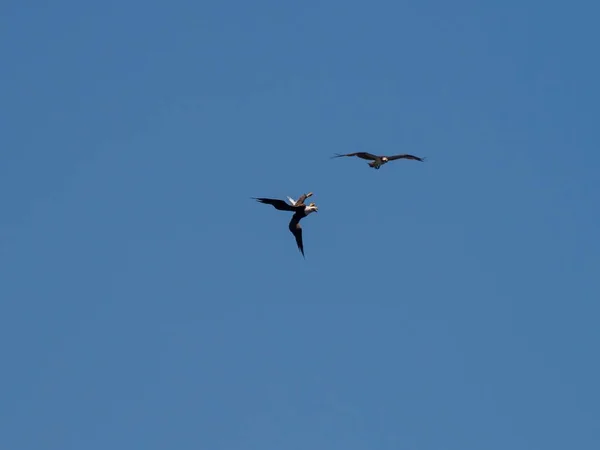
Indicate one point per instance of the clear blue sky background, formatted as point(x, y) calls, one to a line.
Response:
point(148, 303)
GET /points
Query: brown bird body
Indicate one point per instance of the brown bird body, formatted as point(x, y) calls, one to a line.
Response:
point(378, 161)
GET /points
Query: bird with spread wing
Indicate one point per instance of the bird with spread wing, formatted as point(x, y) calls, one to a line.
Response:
point(378, 161)
point(300, 211)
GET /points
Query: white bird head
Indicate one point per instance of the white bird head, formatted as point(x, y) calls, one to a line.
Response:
point(311, 208)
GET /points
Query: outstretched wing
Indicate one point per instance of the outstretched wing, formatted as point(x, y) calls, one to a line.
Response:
point(278, 204)
point(296, 230)
point(303, 197)
point(363, 155)
point(416, 158)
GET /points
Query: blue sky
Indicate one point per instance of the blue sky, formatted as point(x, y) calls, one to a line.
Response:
point(148, 303)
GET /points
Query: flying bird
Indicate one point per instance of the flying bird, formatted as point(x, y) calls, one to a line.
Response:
point(378, 161)
point(300, 211)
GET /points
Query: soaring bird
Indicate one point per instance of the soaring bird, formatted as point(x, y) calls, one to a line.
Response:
point(378, 161)
point(300, 211)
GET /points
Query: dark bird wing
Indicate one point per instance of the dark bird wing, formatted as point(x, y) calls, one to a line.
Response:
point(416, 158)
point(301, 199)
point(296, 230)
point(363, 155)
point(278, 204)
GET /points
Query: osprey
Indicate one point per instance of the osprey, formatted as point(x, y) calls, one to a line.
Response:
point(378, 161)
point(300, 211)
